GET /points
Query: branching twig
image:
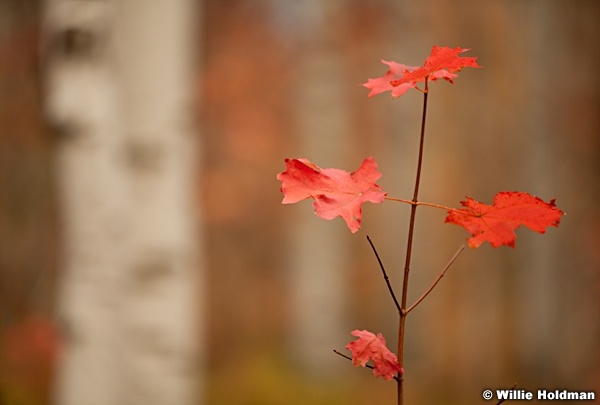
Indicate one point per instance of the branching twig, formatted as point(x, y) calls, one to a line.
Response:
point(366, 365)
point(385, 276)
point(437, 280)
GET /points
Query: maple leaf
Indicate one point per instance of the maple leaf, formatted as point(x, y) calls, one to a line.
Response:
point(335, 192)
point(496, 223)
point(441, 59)
point(440, 64)
point(383, 83)
point(371, 347)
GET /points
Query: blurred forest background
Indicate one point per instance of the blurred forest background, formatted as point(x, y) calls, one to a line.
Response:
point(282, 288)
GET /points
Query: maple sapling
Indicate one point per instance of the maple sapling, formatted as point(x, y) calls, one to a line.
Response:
point(336, 193)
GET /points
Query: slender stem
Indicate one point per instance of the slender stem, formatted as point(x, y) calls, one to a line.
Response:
point(411, 202)
point(411, 229)
point(366, 365)
point(426, 204)
point(502, 400)
point(437, 280)
point(385, 276)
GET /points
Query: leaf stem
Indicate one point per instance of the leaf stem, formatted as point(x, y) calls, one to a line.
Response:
point(411, 228)
point(366, 365)
point(437, 280)
point(426, 204)
point(385, 276)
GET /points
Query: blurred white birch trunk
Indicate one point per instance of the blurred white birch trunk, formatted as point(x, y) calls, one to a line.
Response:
point(118, 82)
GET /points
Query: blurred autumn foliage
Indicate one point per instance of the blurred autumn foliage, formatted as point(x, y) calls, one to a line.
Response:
point(28, 223)
point(29, 351)
point(244, 112)
point(530, 120)
point(493, 130)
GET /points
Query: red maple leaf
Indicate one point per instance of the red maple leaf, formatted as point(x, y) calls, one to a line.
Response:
point(371, 347)
point(336, 192)
point(441, 64)
point(383, 83)
point(496, 223)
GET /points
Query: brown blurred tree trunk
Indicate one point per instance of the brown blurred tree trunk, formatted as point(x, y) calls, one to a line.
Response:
point(119, 75)
point(319, 257)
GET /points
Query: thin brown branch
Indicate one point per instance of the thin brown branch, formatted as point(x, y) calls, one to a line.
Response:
point(411, 231)
point(437, 279)
point(385, 276)
point(426, 204)
point(348, 357)
point(366, 365)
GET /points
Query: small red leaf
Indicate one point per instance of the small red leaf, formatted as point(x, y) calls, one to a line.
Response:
point(496, 223)
point(441, 64)
point(441, 59)
point(336, 192)
point(371, 347)
point(383, 83)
